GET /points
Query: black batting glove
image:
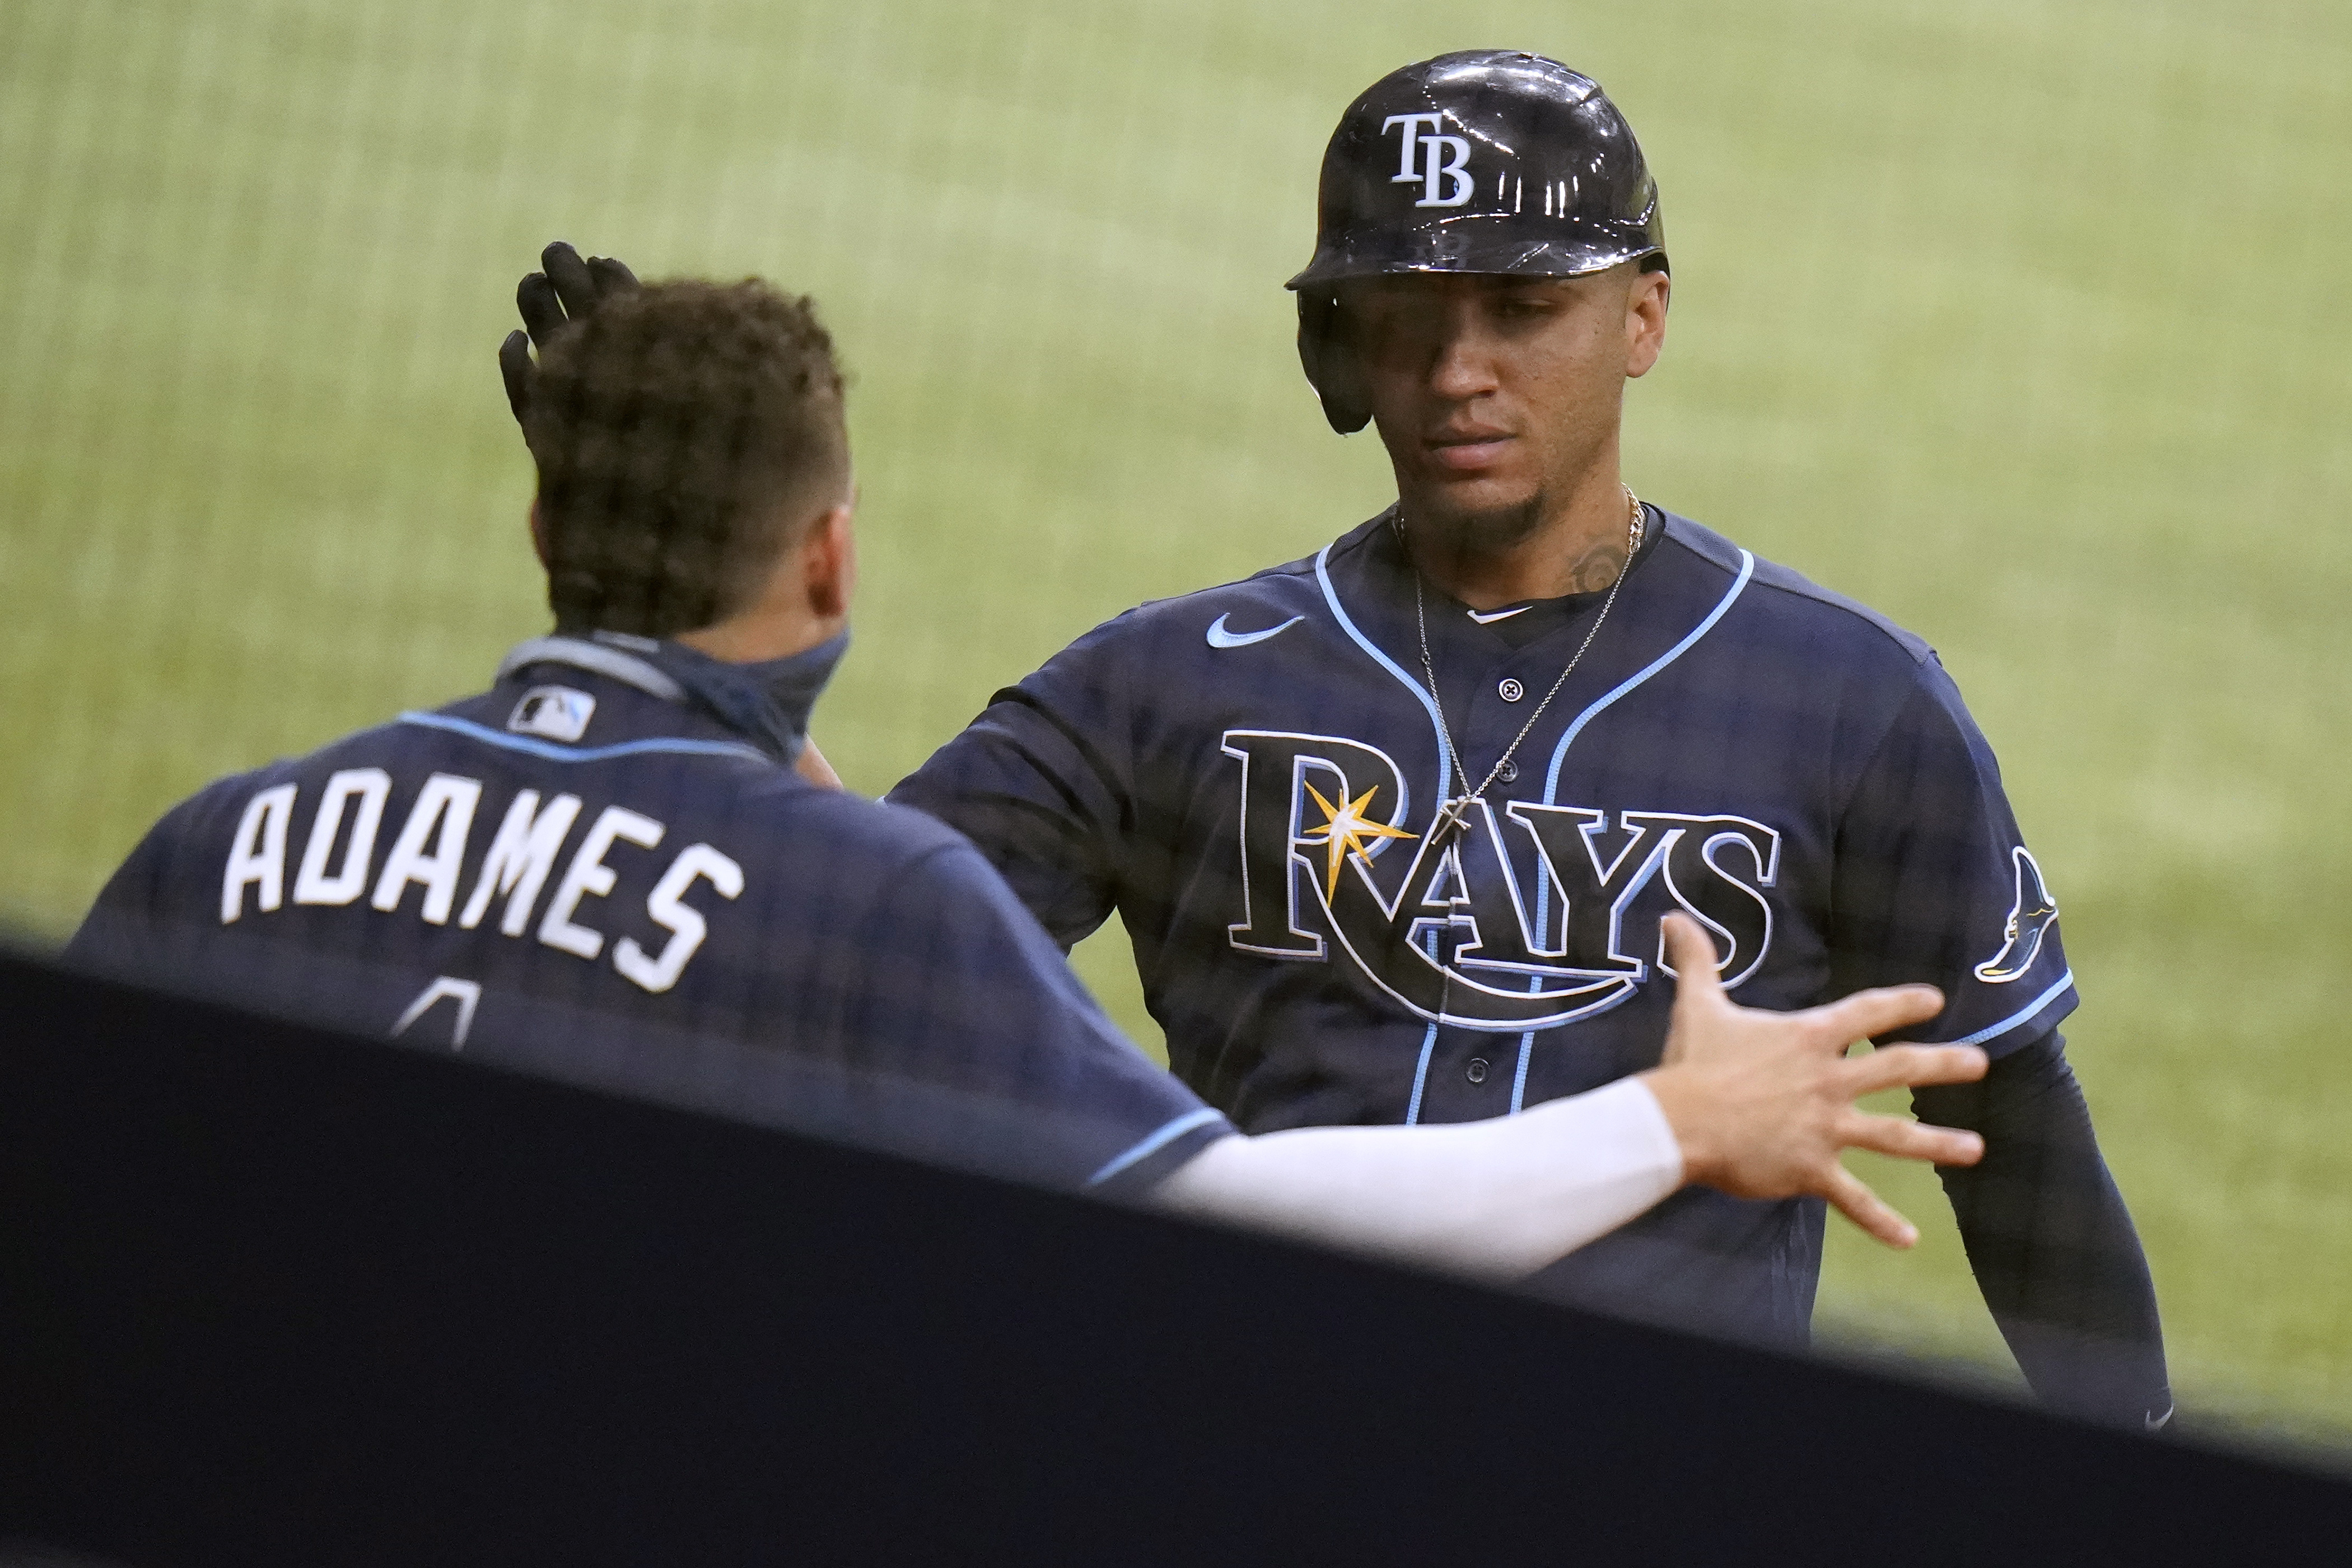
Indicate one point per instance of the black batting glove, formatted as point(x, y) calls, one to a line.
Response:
point(564, 290)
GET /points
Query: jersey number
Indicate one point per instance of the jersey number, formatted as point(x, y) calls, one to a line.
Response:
point(466, 993)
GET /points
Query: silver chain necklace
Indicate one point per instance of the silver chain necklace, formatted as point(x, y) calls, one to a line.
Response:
point(1450, 815)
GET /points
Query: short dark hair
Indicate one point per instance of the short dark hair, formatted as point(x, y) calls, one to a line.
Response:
point(680, 430)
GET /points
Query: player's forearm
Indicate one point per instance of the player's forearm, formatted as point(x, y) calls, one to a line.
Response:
point(1757, 1103)
point(2051, 1243)
point(1498, 1199)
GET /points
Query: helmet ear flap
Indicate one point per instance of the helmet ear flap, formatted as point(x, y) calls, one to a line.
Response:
point(1330, 361)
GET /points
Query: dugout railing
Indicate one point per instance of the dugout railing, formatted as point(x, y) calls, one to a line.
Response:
point(273, 1297)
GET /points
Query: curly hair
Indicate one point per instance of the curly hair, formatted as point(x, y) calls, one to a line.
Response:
point(683, 433)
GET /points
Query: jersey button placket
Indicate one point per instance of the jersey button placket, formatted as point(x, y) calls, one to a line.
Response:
point(1509, 689)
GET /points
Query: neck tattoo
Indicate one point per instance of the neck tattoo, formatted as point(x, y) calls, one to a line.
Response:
point(1451, 815)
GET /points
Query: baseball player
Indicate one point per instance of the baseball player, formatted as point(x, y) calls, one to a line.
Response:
point(606, 870)
point(1391, 827)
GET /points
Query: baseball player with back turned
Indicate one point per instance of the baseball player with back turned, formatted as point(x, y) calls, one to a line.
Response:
point(1392, 827)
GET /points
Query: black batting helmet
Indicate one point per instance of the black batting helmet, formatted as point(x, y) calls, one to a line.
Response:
point(1487, 161)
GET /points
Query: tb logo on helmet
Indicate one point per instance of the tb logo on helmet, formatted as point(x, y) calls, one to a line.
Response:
point(1560, 190)
point(1431, 148)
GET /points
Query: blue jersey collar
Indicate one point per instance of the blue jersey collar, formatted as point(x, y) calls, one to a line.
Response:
point(582, 654)
point(767, 702)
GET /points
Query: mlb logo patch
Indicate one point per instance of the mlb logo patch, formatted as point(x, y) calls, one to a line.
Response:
point(558, 712)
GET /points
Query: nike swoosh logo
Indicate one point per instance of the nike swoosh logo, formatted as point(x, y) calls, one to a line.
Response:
point(1491, 617)
point(1219, 637)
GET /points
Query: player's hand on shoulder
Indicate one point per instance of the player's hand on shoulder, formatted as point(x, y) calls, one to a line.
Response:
point(1762, 1103)
point(566, 287)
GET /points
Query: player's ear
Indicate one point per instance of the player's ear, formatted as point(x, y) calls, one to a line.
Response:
point(1645, 320)
point(829, 562)
point(538, 532)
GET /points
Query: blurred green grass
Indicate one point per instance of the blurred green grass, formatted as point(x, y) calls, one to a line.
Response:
point(2021, 321)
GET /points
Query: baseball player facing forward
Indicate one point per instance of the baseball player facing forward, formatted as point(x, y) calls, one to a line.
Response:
point(604, 869)
point(1391, 827)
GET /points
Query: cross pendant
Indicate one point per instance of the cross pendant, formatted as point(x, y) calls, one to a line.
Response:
point(1452, 819)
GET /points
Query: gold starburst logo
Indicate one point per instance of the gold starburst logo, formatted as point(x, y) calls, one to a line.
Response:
point(1347, 830)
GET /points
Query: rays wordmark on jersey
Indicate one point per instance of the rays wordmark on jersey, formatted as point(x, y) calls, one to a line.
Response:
point(1461, 936)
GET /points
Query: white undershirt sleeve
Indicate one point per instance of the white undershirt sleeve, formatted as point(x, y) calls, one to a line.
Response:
point(1498, 1199)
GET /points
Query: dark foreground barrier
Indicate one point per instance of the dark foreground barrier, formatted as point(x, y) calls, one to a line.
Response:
point(272, 1296)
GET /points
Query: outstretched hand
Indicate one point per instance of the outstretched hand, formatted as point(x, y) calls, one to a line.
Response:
point(1762, 1103)
point(565, 289)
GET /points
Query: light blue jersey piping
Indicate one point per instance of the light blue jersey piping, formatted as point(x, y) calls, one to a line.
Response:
point(1421, 1069)
point(1155, 1142)
point(1445, 760)
point(1519, 1079)
point(1421, 1077)
point(1421, 693)
point(679, 745)
point(1559, 755)
point(2014, 1019)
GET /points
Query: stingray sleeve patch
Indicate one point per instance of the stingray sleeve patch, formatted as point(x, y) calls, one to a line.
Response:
point(2030, 916)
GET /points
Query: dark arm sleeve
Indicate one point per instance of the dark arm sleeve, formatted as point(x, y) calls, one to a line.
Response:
point(1039, 784)
point(2049, 1240)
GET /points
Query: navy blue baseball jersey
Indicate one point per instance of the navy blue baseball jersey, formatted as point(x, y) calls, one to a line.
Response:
point(1250, 775)
point(573, 874)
